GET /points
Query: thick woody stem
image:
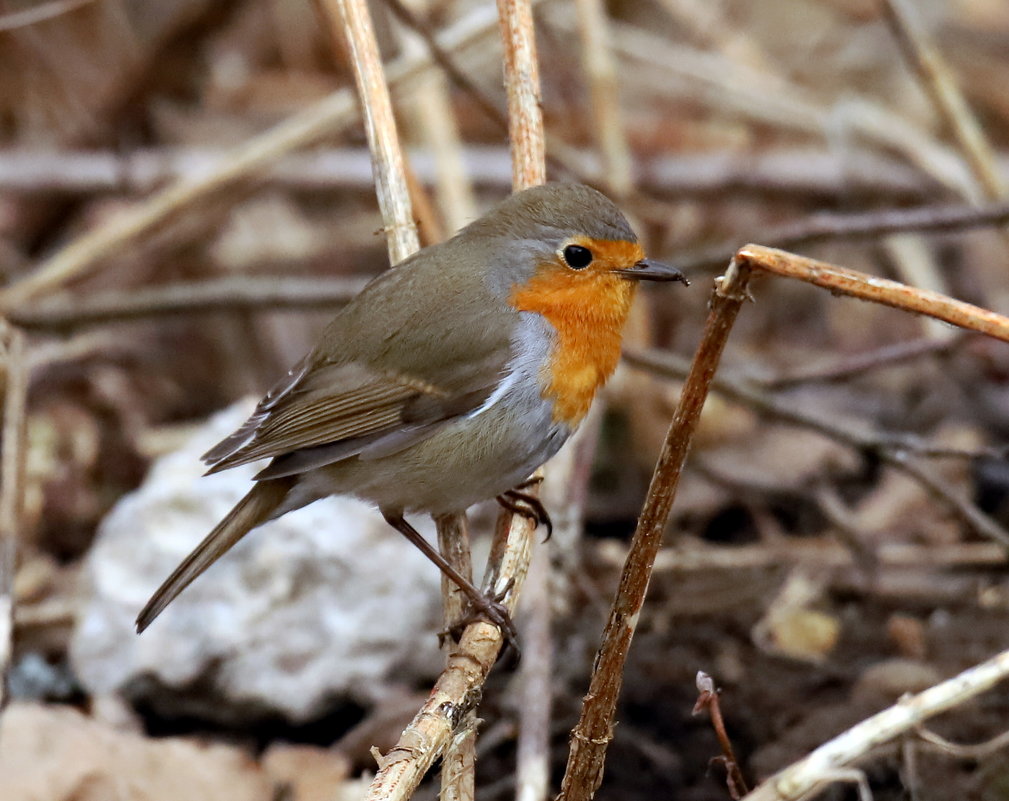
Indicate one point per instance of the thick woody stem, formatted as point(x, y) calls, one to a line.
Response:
point(379, 125)
point(592, 734)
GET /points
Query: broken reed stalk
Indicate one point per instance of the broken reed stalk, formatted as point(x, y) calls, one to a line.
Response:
point(522, 84)
point(351, 22)
point(458, 779)
point(458, 689)
point(527, 141)
point(823, 765)
point(592, 734)
point(12, 466)
point(393, 186)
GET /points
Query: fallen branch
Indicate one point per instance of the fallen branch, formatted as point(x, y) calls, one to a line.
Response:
point(822, 765)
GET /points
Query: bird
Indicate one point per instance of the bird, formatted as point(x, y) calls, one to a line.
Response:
point(448, 380)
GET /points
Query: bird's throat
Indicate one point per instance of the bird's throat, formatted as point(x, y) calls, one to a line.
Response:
point(589, 318)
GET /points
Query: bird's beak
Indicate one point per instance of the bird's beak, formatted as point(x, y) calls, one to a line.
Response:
point(650, 270)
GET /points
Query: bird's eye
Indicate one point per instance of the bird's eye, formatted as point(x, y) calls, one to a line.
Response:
point(577, 257)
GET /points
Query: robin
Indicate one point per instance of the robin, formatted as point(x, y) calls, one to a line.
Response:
point(448, 380)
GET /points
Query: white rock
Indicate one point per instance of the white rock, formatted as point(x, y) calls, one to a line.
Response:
point(326, 601)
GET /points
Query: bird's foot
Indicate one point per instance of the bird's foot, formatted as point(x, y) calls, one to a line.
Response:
point(489, 608)
point(529, 506)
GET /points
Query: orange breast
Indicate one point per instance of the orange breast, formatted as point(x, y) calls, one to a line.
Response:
point(588, 309)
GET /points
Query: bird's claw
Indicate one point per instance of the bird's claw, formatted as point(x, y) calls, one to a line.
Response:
point(489, 608)
point(527, 505)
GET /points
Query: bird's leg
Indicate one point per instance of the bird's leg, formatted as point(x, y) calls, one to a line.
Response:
point(529, 506)
point(488, 607)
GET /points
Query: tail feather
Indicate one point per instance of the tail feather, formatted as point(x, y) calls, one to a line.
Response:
point(253, 509)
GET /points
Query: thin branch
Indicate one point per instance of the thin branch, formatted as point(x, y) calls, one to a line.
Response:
point(707, 699)
point(591, 736)
point(937, 79)
point(393, 186)
point(859, 363)
point(514, 532)
point(67, 311)
point(843, 281)
point(12, 466)
point(351, 22)
point(532, 773)
point(786, 413)
point(826, 227)
point(39, 13)
point(600, 70)
point(697, 557)
point(973, 752)
point(820, 766)
point(787, 171)
point(458, 689)
point(248, 161)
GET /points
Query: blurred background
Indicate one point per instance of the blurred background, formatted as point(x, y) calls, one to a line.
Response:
point(839, 537)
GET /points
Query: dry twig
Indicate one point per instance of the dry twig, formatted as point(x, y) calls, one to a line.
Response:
point(843, 281)
point(458, 689)
point(351, 22)
point(707, 698)
point(821, 766)
point(896, 457)
point(826, 227)
point(594, 730)
point(12, 465)
point(941, 87)
point(522, 83)
point(528, 148)
point(63, 312)
point(597, 63)
point(457, 767)
point(392, 186)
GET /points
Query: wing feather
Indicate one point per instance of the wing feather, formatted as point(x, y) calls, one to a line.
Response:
point(385, 374)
